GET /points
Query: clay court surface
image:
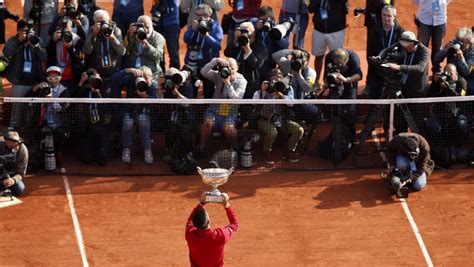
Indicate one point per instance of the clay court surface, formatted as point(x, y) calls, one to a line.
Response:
point(343, 218)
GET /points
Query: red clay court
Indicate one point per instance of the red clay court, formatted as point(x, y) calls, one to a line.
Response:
point(323, 218)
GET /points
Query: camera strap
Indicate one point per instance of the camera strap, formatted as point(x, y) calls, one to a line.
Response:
point(106, 60)
point(392, 30)
point(405, 62)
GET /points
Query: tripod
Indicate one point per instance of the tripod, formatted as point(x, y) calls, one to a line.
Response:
point(390, 91)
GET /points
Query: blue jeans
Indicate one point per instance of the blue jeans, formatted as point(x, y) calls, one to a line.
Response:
point(144, 127)
point(403, 164)
point(171, 34)
point(301, 22)
point(124, 19)
point(435, 33)
point(17, 189)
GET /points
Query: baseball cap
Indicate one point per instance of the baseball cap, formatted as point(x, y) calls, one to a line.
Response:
point(53, 69)
point(410, 146)
point(408, 37)
point(13, 136)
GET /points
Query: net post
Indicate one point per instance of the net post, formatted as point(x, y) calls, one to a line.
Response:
point(392, 114)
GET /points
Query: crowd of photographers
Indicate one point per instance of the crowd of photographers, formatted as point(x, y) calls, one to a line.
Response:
point(77, 50)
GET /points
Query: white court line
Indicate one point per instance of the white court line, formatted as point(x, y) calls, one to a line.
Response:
point(75, 221)
point(417, 233)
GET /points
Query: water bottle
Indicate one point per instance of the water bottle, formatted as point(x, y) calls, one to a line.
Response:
point(49, 157)
point(246, 155)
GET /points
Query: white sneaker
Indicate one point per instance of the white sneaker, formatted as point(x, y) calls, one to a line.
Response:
point(126, 155)
point(148, 156)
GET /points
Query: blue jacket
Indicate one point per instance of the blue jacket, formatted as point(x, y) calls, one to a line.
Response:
point(170, 14)
point(209, 46)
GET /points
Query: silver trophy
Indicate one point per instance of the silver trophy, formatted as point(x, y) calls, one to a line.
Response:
point(214, 177)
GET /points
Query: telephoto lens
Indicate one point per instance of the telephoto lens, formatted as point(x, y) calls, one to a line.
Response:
point(224, 71)
point(67, 36)
point(141, 32)
point(267, 25)
point(203, 26)
point(106, 29)
point(141, 84)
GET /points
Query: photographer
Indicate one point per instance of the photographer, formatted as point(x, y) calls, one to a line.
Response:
point(459, 52)
point(229, 84)
point(104, 47)
point(342, 74)
point(145, 47)
point(27, 61)
point(447, 124)
point(409, 156)
point(190, 6)
point(295, 64)
point(203, 39)
point(179, 120)
point(373, 10)
point(50, 117)
point(276, 117)
point(80, 22)
point(380, 36)
point(165, 16)
point(242, 11)
point(139, 84)
point(263, 26)
point(14, 149)
point(250, 55)
point(64, 50)
point(412, 65)
point(42, 13)
point(94, 121)
point(88, 7)
point(329, 28)
point(206, 245)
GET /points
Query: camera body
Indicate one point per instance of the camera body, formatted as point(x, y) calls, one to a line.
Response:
point(94, 80)
point(333, 70)
point(455, 46)
point(106, 29)
point(7, 165)
point(224, 71)
point(141, 31)
point(244, 38)
point(30, 33)
point(71, 11)
point(45, 91)
point(277, 86)
point(392, 79)
point(204, 26)
point(67, 36)
point(445, 78)
point(267, 25)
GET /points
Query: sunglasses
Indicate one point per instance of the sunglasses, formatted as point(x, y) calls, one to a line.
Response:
point(57, 78)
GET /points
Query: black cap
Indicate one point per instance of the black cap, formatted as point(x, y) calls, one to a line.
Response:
point(410, 146)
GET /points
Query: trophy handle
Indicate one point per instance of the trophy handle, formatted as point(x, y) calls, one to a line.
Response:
point(199, 170)
point(231, 170)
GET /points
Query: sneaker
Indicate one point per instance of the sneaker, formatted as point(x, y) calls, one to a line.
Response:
point(148, 156)
point(126, 155)
point(268, 158)
point(290, 156)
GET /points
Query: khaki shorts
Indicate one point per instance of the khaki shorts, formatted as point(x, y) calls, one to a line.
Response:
point(321, 41)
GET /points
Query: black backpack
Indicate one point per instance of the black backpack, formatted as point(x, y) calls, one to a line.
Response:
point(328, 149)
point(185, 165)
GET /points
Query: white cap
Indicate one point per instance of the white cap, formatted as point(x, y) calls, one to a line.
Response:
point(54, 69)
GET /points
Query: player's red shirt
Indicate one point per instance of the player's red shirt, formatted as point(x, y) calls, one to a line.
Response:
point(206, 247)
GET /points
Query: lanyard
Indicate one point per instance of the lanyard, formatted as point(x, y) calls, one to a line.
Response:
point(27, 54)
point(140, 49)
point(323, 4)
point(105, 48)
point(391, 35)
point(411, 60)
point(92, 106)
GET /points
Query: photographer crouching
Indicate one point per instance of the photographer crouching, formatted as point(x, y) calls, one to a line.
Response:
point(14, 161)
point(410, 161)
point(139, 84)
point(342, 74)
point(179, 119)
point(277, 117)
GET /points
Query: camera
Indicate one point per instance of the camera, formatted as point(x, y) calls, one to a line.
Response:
point(67, 36)
point(70, 11)
point(106, 29)
point(141, 84)
point(204, 26)
point(224, 71)
point(45, 91)
point(35, 12)
point(244, 38)
point(358, 11)
point(281, 30)
point(141, 31)
point(180, 77)
point(445, 78)
point(277, 86)
point(7, 164)
point(30, 33)
point(267, 25)
point(94, 80)
point(156, 13)
point(297, 64)
point(64, 22)
point(333, 70)
point(455, 46)
point(169, 85)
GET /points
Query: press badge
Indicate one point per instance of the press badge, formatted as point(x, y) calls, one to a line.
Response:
point(106, 61)
point(436, 6)
point(138, 62)
point(27, 67)
point(240, 5)
point(324, 14)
